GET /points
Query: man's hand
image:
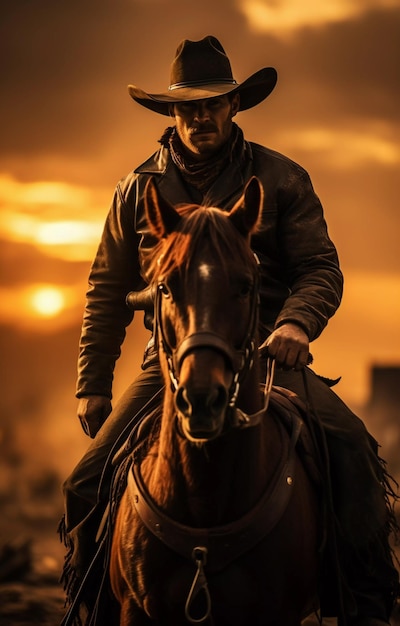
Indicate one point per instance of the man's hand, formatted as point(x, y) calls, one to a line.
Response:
point(289, 346)
point(93, 412)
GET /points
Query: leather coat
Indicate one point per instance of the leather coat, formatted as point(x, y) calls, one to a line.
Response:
point(301, 281)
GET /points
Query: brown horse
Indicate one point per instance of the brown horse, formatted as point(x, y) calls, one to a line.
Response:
point(218, 523)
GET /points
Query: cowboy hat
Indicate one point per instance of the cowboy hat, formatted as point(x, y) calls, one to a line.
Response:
point(201, 69)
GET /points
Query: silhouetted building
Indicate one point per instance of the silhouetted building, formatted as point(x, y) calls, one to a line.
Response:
point(385, 386)
point(382, 413)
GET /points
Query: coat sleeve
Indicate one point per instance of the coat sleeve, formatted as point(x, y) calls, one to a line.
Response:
point(114, 272)
point(311, 261)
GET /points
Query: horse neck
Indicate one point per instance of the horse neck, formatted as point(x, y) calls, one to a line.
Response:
point(209, 485)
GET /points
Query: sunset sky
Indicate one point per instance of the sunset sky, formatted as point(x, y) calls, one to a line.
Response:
point(69, 132)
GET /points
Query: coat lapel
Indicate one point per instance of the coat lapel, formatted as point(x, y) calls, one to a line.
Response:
point(223, 193)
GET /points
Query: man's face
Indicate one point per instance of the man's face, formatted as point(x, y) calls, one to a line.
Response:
point(204, 126)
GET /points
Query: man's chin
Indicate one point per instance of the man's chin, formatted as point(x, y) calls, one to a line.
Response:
point(204, 147)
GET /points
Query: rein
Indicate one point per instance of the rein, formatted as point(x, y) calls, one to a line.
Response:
point(244, 420)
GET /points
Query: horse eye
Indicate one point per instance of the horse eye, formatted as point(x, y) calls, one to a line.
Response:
point(164, 290)
point(245, 289)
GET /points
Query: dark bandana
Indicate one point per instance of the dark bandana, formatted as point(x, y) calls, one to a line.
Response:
point(202, 174)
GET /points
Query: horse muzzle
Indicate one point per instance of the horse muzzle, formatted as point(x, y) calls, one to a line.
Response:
point(201, 413)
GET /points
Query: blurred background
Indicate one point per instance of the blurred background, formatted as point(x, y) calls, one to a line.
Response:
point(70, 131)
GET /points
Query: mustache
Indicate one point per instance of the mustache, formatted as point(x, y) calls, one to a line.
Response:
point(202, 128)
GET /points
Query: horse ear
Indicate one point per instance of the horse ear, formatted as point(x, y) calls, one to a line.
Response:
point(247, 211)
point(161, 215)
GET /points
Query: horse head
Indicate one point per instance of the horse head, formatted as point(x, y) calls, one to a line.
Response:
point(206, 283)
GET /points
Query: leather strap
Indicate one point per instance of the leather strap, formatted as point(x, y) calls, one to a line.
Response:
point(227, 542)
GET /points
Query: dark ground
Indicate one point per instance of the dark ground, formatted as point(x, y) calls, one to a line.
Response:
point(31, 557)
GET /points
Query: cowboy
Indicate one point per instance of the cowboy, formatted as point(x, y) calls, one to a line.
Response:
point(204, 159)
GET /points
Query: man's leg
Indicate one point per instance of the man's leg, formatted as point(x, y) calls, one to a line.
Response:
point(84, 504)
point(359, 494)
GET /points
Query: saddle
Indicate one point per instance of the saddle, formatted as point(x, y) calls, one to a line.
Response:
point(287, 405)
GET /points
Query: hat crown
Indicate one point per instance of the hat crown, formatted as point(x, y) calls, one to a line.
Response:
point(200, 62)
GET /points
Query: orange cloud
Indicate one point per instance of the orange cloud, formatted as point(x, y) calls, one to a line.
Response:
point(61, 219)
point(347, 147)
point(284, 17)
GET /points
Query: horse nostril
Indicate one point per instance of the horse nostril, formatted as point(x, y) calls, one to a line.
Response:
point(182, 402)
point(218, 400)
point(210, 403)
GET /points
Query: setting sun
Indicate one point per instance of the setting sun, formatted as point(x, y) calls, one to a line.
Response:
point(42, 307)
point(47, 301)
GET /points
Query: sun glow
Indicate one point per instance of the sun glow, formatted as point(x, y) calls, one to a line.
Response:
point(47, 301)
point(41, 306)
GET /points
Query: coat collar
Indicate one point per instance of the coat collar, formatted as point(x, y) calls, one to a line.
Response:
point(227, 186)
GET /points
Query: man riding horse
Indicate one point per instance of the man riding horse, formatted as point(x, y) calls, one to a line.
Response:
point(204, 159)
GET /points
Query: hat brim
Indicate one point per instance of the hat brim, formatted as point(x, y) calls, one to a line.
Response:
point(252, 91)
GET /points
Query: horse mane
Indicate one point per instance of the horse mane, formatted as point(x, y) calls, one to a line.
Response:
point(197, 225)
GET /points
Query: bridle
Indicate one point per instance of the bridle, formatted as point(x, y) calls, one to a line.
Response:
point(240, 359)
point(221, 544)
